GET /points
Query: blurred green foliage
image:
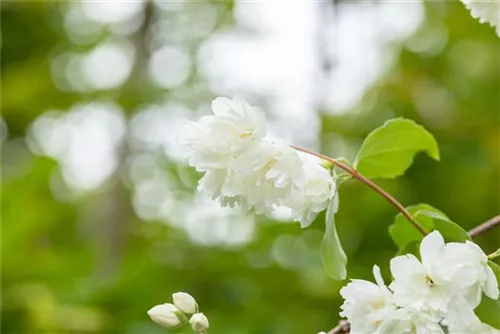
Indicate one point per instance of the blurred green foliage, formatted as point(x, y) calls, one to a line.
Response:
point(90, 265)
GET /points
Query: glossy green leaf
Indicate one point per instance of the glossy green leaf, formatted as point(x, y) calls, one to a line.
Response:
point(411, 248)
point(332, 254)
point(403, 232)
point(496, 270)
point(388, 151)
point(489, 310)
point(448, 229)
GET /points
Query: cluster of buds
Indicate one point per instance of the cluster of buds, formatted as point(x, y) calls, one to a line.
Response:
point(177, 314)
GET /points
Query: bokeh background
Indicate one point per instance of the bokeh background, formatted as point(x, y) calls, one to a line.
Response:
point(100, 216)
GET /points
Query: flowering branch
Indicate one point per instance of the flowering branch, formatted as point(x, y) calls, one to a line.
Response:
point(356, 175)
point(488, 225)
point(244, 165)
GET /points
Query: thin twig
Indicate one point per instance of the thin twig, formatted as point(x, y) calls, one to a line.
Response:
point(342, 328)
point(487, 225)
point(356, 175)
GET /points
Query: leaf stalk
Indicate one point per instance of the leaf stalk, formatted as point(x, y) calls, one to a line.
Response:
point(356, 175)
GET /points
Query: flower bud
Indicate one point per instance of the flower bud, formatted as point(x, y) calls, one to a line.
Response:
point(199, 322)
point(185, 302)
point(167, 315)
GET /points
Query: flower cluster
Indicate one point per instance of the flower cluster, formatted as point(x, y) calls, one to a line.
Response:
point(244, 166)
point(440, 291)
point(176, 314)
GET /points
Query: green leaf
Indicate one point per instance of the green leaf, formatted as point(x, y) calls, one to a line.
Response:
point(488, 311)
point(448, 229)
point(496, 270)
point(410, 248)
point(332, 254)
point(403, 232)
point(388, 151)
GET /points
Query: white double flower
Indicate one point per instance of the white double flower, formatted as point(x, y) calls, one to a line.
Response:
point(440, 290)
point(243, 166)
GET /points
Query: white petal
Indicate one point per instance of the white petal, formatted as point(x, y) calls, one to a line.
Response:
point(491, 285)
point(406, 265)
point(378, 276)
point(473, 295)
point(199, 322)
point(166, 315)
point(221, 106)
point(212, 182)
point(185, 302)
point(307, 219)
point(432, 248)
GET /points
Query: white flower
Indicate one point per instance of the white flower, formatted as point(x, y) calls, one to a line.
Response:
point(462, 320)
point(243, 166)
point(167, 315)
point(250, 121)
point(212, 182)
point(467, 267)
point(408, 320)
point(263, 175)
point(476, 327)
point(213, 141)
point(367, 306)
point(312, 194)
point(185, 302)
point(485, 11)
point(199, 322)
point(421, 285)
point(428, 297)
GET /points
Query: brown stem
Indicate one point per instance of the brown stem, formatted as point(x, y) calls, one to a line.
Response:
point(488, 225)
point(342, 328)
point(356, 175)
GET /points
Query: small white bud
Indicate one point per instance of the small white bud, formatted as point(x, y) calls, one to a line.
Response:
point(167, 315)
point(185, 302)
point(199, 322)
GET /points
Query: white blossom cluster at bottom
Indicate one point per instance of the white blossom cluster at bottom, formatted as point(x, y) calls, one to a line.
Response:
point(435, 295)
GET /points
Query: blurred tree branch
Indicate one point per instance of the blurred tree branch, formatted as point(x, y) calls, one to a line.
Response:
point(115, 202)
point(484, 227)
